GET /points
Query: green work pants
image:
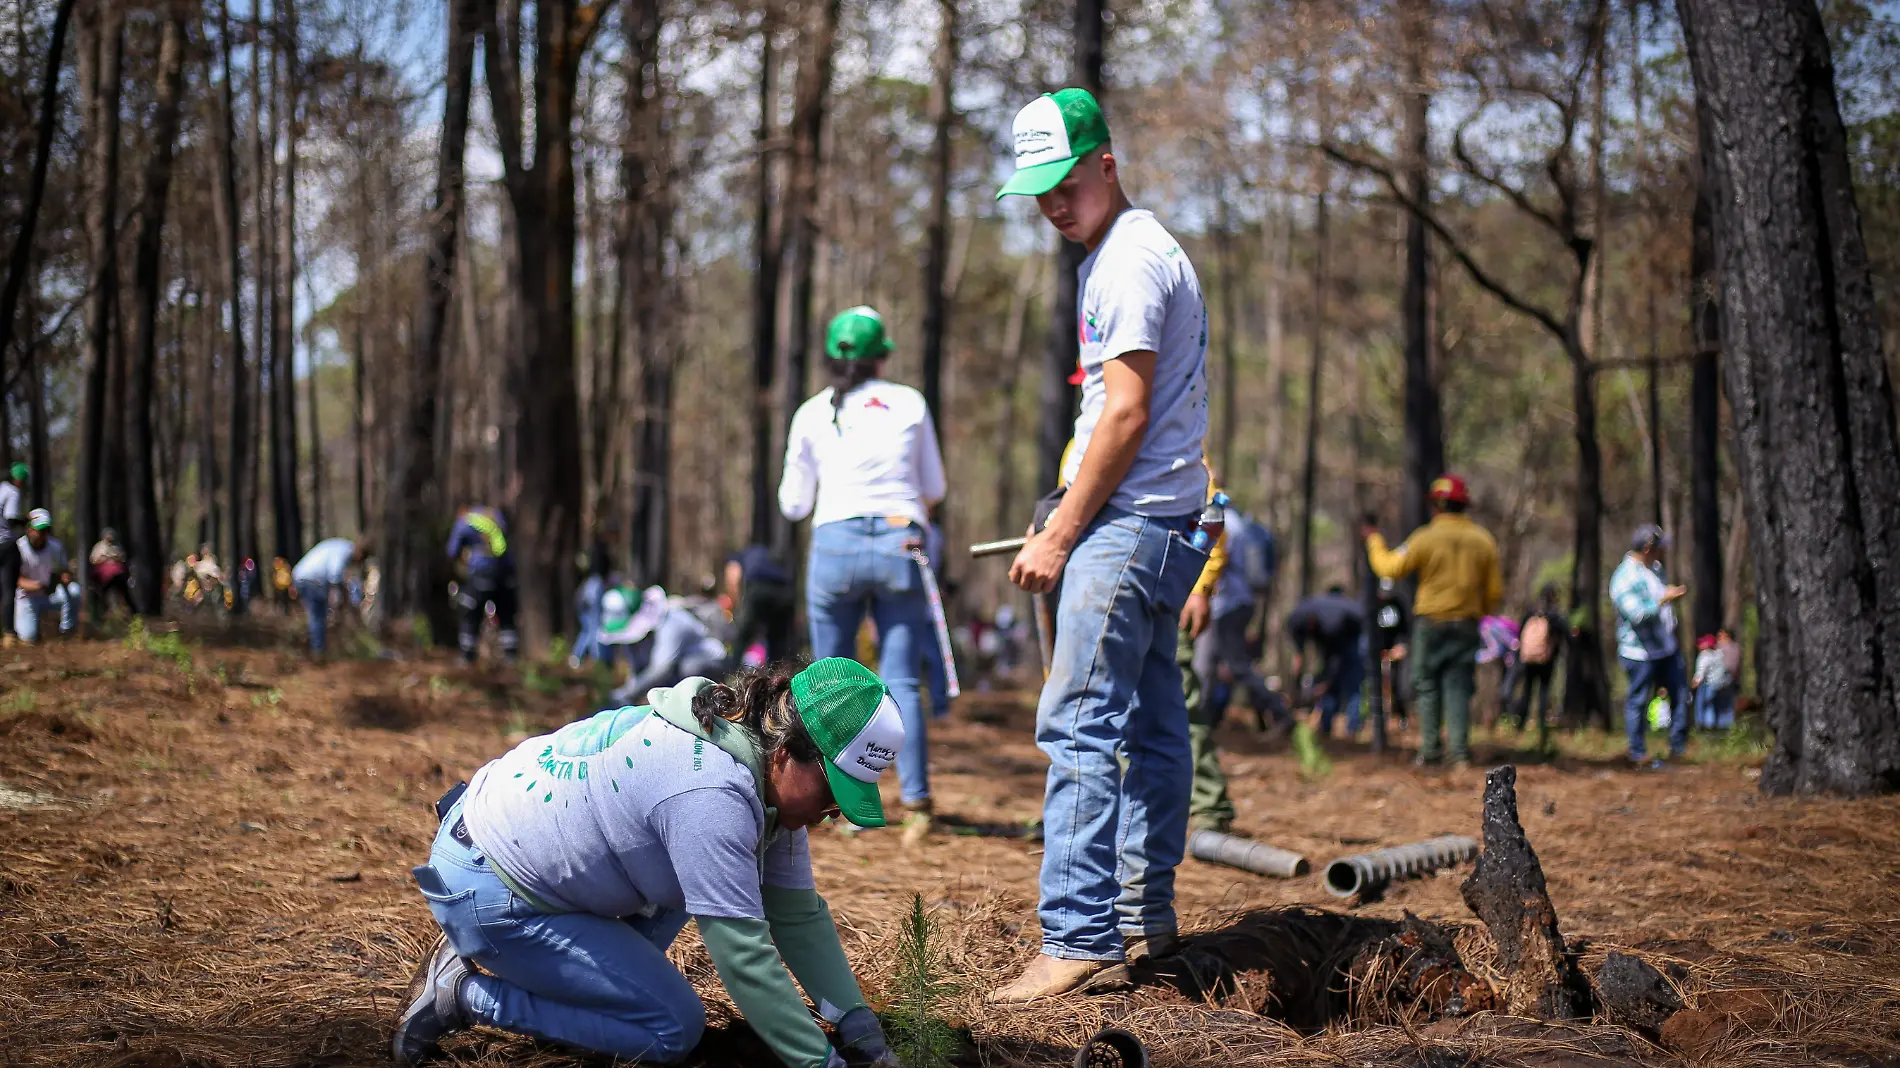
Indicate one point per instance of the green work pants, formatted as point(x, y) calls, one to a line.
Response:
point(1208, 805)
point(1444, 658)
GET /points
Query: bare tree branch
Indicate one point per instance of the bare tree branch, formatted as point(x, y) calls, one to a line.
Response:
point(1459, 250)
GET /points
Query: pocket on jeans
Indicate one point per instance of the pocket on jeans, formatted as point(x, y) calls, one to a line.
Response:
point(455, 914)
point(1181, 568)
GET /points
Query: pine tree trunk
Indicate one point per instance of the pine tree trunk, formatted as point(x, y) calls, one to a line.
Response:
point(1705, 428)
point(1309, 470)
point(413, 515)
point(239, 442)
point(1056, 400)
point(1809, 391)
point(1424, 454)
point(937, 230)
point(812, 100)
point(649, 218)
point(768, 238)
point(146, 542)
point(101, 49)
point(21, 254)
point(284, 76)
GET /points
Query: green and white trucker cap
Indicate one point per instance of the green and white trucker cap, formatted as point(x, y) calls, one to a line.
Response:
point(849, 712)
point(857, 334)
point(1052, 132)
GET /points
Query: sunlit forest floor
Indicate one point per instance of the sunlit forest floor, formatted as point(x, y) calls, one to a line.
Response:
point(205, 845)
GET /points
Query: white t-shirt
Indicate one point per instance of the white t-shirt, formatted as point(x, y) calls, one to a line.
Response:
point(879, 459)
point(326, 562)
point(622, 811)
point(1139, 293)
point(12, 508)
point(43, 565)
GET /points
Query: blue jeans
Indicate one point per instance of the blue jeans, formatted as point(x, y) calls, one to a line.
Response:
point(865, 562)
point(1714, 707)
point(1345, 677)
point(28, 607)
point(1114, 724)
point(316, 604)
point(587, 609)
point(589, 981)
point(1645, 676)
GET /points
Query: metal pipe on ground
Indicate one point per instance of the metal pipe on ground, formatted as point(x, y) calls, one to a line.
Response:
point(1257, 857)
point(1112, 1047)
point(1370, 871)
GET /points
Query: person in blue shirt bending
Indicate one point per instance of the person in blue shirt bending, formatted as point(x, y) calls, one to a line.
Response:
point(479, 541)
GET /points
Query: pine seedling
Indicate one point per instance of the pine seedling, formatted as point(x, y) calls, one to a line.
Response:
point(914, 1024)
point(1314, 763)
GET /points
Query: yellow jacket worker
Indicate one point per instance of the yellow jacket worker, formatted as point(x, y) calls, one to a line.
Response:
point(1459, 582)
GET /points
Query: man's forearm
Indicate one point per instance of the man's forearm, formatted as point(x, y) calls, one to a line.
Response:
point(1111, 452)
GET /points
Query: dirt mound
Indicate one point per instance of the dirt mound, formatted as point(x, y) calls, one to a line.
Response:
point(381, 712)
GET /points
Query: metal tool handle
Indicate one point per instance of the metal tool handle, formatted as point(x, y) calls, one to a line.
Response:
point(997, 548)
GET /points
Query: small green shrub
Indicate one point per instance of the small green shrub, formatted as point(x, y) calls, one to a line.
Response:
point(1314, 763)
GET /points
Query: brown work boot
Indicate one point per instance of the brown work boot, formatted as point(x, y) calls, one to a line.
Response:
point(1048, 977)
point(1138, 953)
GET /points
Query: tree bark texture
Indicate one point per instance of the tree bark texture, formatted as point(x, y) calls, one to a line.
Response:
point(1809, 392)
point(1506, 890)
point(1705, 418)
point(1424, 454)
point(286, 92)
point(768, 238)
point(413, 518)
point(146, 542)
point(541, 373)
point(1309, 469)
point(240, 445)
point(811, 102)
point(21, 254)
point(1056, 400)
point(937, 230)
point(101, 50)
point(650, 215)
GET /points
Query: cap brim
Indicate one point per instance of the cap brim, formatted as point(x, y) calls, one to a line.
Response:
point(1037, 180)
point(857, 801)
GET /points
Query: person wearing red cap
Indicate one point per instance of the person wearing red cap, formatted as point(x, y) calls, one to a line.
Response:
point(1459, 582)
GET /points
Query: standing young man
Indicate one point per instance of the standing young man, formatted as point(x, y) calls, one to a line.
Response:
point(1112, 717)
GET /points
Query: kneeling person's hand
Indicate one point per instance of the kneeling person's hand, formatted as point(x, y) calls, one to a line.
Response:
point(863, 1039)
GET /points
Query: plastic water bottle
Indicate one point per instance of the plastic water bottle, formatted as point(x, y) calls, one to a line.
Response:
point(1213, 520)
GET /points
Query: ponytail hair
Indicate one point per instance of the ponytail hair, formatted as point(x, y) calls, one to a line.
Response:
point(847, 375)
point(760, 701)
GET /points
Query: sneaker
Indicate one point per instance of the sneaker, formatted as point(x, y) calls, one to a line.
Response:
point(435, 1005)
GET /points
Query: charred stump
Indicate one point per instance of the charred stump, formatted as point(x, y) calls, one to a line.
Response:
point(1506, 890)
point(1634, 994)
point(1416, 971)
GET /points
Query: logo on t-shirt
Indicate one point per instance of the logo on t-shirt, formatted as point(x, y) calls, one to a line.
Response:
point(873, 402)
point(1088, 333)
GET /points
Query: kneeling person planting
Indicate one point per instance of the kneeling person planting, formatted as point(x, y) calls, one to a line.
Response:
point(569, 864)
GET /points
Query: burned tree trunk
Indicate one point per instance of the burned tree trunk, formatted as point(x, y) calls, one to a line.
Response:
point(101, 51)
point(285, 93)
point(1424, 456)
point(146, 542)
point(22, 252)
point(224, 203)
point(413, 513)
point(1056, 400)
point(813, 97)
point(1506, 890)
point(937, 238)
point(1810, 393)
point(1705, 431)
point(768, 238)
point(541, 374)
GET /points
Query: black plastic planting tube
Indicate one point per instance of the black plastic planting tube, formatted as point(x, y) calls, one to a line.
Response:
point(1368, 871)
